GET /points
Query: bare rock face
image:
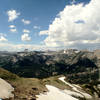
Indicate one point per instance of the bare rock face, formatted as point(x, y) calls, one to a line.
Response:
point(5, 90)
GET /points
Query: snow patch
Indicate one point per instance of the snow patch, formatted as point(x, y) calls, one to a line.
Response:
point(72, 93)
point(75, 88)
point(5, 89)
point(55, 94)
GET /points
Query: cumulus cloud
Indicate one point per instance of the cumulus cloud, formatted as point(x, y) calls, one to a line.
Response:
point(13, 30)
point(45, 32)
point(36, 27)
point(25, 37)
point(26, 22)
point(12, 26)
point(75, 24)
point(12, 15)
point(26, 31)
point(20, 47)
point(3, 37)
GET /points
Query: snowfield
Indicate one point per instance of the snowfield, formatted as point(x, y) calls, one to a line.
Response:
point(57, 94)
point(76, 91)
point(5, 89)
point(73, 87)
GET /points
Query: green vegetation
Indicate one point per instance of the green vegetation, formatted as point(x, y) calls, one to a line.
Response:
point(6, 75)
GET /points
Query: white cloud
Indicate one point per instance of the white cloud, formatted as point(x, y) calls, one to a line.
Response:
point(3, 39)
point(25, 37)
point(12, 14)
point(45, 32)
point(26, 31)
point(36, 27)
point(12, 26)
point(20, 47)
point(66, 32)
point(13, 30)
point(26, 22)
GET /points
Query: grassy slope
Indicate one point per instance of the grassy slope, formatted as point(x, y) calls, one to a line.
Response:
point(24, 87)
point(29, 87)
point(6, 75)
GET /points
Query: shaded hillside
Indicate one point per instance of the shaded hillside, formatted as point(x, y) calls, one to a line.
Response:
point(6, 75)
point(75, 65)
point(79, 68)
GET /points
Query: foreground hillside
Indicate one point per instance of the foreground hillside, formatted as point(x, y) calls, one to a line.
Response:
point(31, 88)
point(24, 88)
point(28, 88)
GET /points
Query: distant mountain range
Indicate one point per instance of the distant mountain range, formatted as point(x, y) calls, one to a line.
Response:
point(44, 64)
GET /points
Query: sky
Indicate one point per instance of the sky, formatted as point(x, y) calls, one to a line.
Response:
point(49, 24)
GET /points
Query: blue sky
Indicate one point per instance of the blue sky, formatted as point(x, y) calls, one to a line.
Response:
point(39, 13)
point(32, 17)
